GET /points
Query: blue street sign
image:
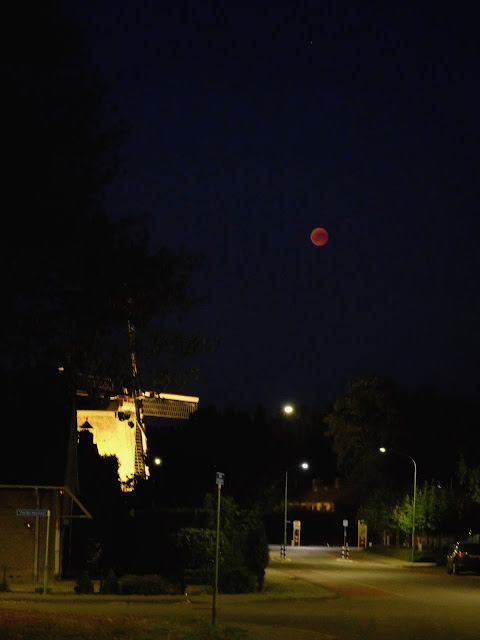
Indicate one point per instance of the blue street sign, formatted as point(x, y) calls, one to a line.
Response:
point(32, 513)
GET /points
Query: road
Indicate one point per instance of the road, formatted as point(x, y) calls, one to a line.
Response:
point(362, 597)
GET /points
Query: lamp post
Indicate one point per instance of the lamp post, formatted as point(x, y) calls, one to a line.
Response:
point(288, 409)
point(158, 462)
point(283, 548)
point(383, 450)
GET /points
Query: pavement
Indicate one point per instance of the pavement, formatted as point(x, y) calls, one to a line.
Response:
point(357, 554)
point(373, 556)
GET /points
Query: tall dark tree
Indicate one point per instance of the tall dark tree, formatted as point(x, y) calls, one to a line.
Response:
point(368, 415)
point(76, 278)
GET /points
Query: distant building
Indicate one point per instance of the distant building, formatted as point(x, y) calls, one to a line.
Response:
point(319, 497)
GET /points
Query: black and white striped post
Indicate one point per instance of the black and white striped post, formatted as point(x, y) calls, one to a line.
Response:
point(345, 543)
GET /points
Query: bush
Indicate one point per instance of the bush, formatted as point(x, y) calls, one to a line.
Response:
point(84, 584)
point(148, 585)
point(110, 583)
point(237, 580)
point(198, 576)
point(41, 590)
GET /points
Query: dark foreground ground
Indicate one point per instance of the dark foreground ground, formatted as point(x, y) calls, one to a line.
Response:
point(61, 614)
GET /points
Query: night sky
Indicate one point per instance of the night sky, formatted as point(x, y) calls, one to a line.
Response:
point(255, 122)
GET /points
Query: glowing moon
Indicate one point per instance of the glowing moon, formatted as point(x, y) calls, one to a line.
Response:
point(319, 236)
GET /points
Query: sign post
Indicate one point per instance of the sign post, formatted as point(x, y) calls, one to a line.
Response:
point(40, 513)
point(45, 566)
point(220, 479)
point(345, 545)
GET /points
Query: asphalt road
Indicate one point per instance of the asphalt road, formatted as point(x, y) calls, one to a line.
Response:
point(327, 597)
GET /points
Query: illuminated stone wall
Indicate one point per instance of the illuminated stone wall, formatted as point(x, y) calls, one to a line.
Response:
point(114, 432)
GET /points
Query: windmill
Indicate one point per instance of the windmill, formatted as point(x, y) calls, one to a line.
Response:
point(119, 429)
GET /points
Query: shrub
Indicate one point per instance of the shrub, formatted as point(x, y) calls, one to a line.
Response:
point(110, 583)
point(41, 590)
point(196, 546)
point(237, 580)
point(83, 584)
point(147, 585)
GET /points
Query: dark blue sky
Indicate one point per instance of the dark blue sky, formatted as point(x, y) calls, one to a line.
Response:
point(253, 123)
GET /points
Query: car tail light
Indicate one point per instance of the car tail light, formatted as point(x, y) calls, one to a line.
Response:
point(462, 553)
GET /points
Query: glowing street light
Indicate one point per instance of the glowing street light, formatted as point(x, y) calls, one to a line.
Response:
point(383, 450)
point(283, 548)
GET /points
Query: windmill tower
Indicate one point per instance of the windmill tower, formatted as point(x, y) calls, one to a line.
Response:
point(119, 429)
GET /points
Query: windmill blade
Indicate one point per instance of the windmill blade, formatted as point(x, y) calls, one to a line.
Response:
point(167, 405)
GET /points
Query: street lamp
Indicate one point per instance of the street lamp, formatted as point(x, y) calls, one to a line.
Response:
point(283, 548)
point(383, 450)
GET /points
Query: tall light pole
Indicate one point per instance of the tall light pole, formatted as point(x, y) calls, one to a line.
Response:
point(283, 549)
point(288, 409)
point(383, 450)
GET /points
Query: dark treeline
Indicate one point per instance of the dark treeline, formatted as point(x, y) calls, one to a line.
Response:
point(79, 292)
point(254, 450)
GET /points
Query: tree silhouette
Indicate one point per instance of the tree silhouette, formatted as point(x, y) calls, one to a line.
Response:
point(368, 415)
point(78, 277)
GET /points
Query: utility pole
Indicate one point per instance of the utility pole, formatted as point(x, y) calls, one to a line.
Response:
point(220, 479)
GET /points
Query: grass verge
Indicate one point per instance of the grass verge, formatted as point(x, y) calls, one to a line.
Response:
point(36, 625)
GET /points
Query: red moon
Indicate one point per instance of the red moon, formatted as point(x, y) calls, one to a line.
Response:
point(319, 236)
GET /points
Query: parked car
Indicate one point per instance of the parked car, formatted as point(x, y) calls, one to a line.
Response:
point(464, 556)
